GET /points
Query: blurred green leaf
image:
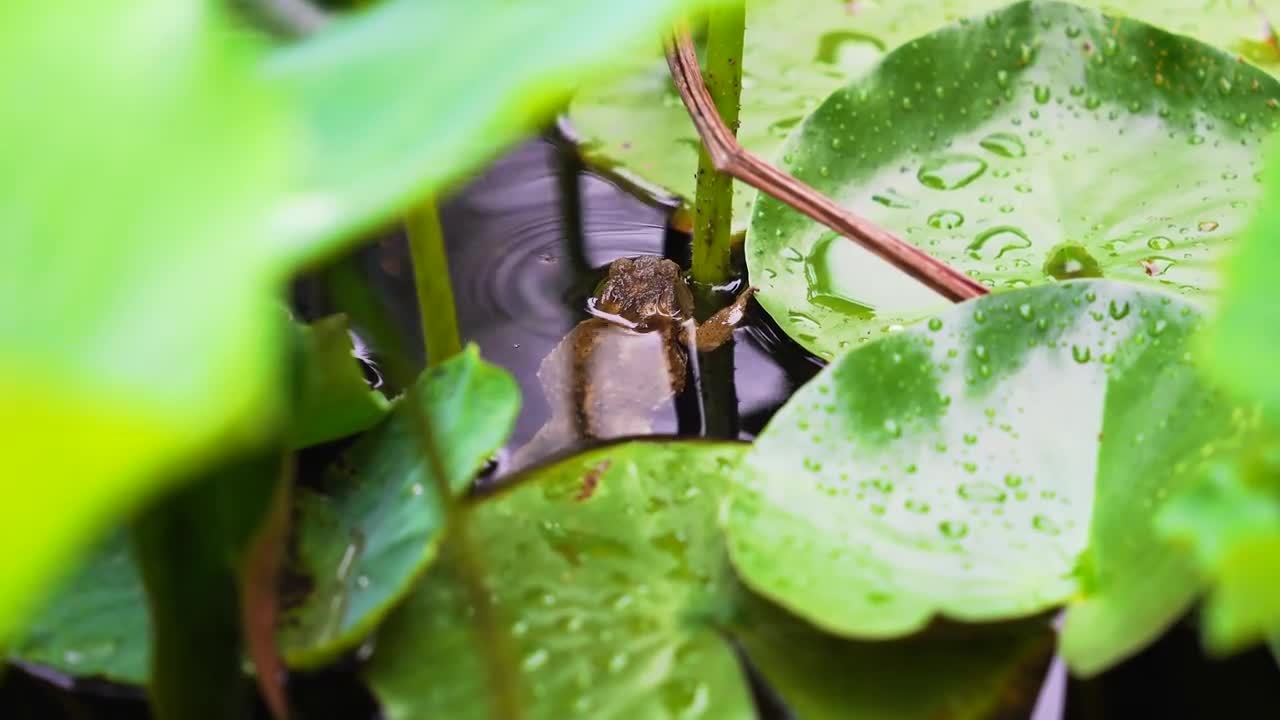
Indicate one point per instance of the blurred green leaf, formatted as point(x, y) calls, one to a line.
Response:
point(1231, 520)
point(1079, 145)
point(161, 183)
point(96, 625)
point(800, 51)
point(409, 96)
point(1002, 459)
point(364, 540)
point(334, 398)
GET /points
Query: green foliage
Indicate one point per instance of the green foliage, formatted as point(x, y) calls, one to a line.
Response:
point(334, 399)
point(611, 583)
point(362, 542)
point(168, 171)
point(1040, 143)
point(800, 51)
point(96, 624)
point(1000, 460)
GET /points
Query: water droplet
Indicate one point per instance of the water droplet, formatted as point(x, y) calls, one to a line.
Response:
point(1070, 261)
point(893, 428)
point(1157, 327)
point(1004, 144)
point(981, 492)
point(823, 290)
point(979, 316)
point(1042, 94)
point(1044, 525)
point(946, 220)
point(917, 506)
point(1012, 480)
point(535, 659)
point(935, 324)
point(1004, 237)
point(1081, 354)
point(950, 172)
point(893, 199)
point(1207, 226)
point(953, 529)
point(1026, 311)
point(1159, 242)
point(1118, 311)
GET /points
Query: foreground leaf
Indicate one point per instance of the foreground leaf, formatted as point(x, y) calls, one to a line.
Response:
point(799, 51)
point(409, 96)
point(1041, 143)
point(966, 466)
point(362, 542)
point(1231, 520)
point(96, 625)
point(143, 250)
point(610, 583)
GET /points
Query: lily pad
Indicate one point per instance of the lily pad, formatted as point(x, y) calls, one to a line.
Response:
point(1042, 142)
point(799, 51)
point(1002, 459)
point(608, 574)
point(334, 400)
point(613, 599)
point(362, 543)
point(96, 625)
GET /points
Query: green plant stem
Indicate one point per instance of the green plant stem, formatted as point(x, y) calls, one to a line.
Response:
point(713, 203)
point(435, 290)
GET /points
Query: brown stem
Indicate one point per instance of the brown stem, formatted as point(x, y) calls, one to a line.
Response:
point(730, 158)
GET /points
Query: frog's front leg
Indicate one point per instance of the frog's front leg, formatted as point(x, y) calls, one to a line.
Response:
point(718, 328)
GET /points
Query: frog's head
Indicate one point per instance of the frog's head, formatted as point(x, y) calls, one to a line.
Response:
point(646, 291)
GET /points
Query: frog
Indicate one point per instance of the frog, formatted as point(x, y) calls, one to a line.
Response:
point(614, 369)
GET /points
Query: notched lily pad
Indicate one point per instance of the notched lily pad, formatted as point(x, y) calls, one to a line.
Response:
point(361, 544)
point(1002, 458)
point(1040, 143)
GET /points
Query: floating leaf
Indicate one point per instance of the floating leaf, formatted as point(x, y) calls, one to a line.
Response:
point(999, 460)
point(799, 51)
point(613, 599)
point(363, 542)
point(1041, 143)
point(608, 576)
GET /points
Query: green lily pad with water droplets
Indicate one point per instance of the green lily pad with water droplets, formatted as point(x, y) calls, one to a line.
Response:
point(362, 542)
point(608, 574)
point(1001, 459)
point(799, 51)
point(96, 625)
point(1042, 142)
point(614, 599)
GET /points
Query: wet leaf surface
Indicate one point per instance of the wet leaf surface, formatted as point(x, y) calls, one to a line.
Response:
point(1040, 143)
point(1002, 458)
point(799, 51)
point(608, 573)
point(96, 624)
point(364, 540)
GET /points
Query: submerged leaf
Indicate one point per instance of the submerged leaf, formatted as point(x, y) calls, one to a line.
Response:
point(966, 466)
point(1042, 143)
point(364, 540)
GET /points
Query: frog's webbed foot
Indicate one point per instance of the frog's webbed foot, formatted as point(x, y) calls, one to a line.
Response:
point(718, 328)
